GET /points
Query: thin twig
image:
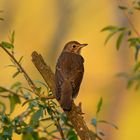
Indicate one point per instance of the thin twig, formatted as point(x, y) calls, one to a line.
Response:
point(60, 130)
point(54, 115)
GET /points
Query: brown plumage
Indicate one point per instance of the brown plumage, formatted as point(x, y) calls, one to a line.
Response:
point(69, 73)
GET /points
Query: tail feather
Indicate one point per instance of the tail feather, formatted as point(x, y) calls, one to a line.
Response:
point(66, 96)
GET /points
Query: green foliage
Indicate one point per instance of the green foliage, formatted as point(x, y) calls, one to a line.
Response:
point(14, 99)
point(2, 89)
point(71, 135)
point(112, 31)
point(37, 110)
point(132, 36)
point(30, 136)
point(7, 45)
point(99, 105)
point(2, 107)
point(133, 77)
point(36, 116)
point(12, 37)
point(119, 40)
point(16, 85)
point(130, 9)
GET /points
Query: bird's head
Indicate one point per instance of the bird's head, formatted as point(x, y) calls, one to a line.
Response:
point(74, 47)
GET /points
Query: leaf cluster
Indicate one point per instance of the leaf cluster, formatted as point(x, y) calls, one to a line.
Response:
point(126, 34)
point(39, 107)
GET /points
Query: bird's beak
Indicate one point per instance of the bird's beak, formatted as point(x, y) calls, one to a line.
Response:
point(83, 45)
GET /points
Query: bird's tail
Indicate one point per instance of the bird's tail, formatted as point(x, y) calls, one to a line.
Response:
point(66, 96)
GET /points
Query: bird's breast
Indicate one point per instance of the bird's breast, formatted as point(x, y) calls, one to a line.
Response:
point(68, 63)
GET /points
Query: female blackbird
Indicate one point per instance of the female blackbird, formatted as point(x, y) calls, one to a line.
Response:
point(69, 73)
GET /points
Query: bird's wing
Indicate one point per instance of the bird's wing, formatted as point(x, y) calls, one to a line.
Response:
point(61, 73)
point(69, 67)
point(77, 74)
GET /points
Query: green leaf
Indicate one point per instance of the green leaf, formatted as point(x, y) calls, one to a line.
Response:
point(112, 28)
point(122, 7)
point(106, 122)
point(36, 116)
point(2, 107)
point(38, 89)
point(99, 105)
point(64, 118)
point(16, 74)
point(137, 52)
point(72, 135)
point(7, 45)
point(109, 36)
point(119, 40)
point(133, 41)
point(5, 119)
point(49, 110)
point(35, 135)
point(7, 133)
point(109, 28)
point(14, 99)
point(16, 85)
point(13, 37)
point(129, 84)
point(136, 67)
point(2, 89)
point(27, 136)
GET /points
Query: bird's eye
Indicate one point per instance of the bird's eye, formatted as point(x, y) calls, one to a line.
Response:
point(74, 46)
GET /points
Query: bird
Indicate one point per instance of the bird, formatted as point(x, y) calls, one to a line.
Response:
point(69, 73)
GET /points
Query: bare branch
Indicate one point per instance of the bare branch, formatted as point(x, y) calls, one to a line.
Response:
point(74, 115)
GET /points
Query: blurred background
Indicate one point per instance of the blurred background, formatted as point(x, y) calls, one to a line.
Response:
point(46, 25)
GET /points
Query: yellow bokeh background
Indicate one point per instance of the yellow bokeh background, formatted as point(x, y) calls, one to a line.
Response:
point(46, 25)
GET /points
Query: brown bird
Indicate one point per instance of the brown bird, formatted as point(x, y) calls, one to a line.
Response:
point(69, 73)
